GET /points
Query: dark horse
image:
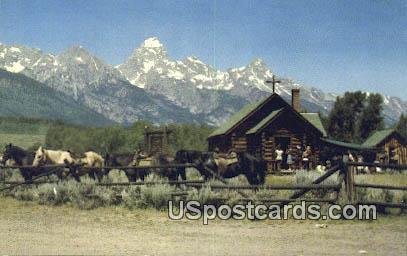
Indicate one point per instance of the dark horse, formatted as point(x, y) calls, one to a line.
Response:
point(192, 157)
point(123, 160)
point(253, 168)
point(128, 159)
point(22, 158)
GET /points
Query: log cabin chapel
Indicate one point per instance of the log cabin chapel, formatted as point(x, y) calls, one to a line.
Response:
point(261, 128)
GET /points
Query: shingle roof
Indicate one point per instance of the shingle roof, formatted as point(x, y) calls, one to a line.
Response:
point(264, 121)
point(236, 118)
point(312, 118)
point(347, 145)
point(377, 137)
point(315, 120)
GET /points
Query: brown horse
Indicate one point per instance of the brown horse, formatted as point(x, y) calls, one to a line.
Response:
point(209, 165)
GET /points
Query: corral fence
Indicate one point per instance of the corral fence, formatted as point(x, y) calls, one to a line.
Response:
point(345, 180)
point(352, 185)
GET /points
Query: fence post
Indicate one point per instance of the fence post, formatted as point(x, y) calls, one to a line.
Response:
point(350, 183)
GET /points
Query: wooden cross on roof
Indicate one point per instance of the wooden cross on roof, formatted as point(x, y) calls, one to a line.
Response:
point(273, 81)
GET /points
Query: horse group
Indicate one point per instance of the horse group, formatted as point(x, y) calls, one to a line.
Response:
point(93, 164)
point(32, 162)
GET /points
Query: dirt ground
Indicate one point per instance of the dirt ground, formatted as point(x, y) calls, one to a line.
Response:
point(28, 228)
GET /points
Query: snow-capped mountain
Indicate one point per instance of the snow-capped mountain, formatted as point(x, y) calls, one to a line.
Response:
point(150, 85)
point(192, 84)
point(93, 83)
point(150, 61)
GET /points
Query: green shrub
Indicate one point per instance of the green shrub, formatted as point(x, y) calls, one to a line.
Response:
point(156, 196)
point(205, 195)
point(304, 177)
point(193, 174)
point(25, 194)
point(49, 194)
point(131, 197)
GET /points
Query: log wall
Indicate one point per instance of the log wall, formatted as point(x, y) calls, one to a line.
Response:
point(393, 142)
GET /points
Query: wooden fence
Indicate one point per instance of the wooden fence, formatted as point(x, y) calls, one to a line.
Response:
point(300, 189)
point(351, 185)
point(346, 173)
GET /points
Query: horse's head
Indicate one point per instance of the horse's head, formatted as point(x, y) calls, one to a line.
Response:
point(40, 157)
point(8, 154)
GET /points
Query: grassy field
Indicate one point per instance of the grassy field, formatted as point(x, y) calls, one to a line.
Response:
point(50, 219)
point(29, 228)
point(22, 140)
point(391, 178)
point(396, 178)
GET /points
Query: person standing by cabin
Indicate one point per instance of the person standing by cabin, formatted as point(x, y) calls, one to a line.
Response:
point(298, 157)
point(279, 157)
point(306, 157)
point(290, 160)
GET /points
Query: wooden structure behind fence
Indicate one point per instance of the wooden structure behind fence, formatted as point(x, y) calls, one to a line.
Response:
point(156, 141)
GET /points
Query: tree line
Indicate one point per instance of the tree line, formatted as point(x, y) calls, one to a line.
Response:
point(354, 117)
point(119, 139)
point(357, 115)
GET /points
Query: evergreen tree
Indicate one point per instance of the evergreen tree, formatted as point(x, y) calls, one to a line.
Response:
point(402, 125)
point(342, 124)
point(370, 119)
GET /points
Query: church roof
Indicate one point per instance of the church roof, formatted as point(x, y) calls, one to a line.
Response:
point(315, 120)
point(239, 116)
point(250, 109)
point(265, 121)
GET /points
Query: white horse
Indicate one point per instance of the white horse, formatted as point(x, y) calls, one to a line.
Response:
point(94, 161)
point(45, 156)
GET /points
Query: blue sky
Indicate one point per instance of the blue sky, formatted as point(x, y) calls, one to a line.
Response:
point(333, 45)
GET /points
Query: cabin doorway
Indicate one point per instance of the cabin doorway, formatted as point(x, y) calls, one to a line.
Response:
point(284, 143)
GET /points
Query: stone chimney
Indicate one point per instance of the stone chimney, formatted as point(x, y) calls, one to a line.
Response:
point(295, 99)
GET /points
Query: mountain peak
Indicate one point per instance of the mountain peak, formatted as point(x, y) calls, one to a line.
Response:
point(194, 59)
point(257, 62)
point(152, 42)
point(76, 49)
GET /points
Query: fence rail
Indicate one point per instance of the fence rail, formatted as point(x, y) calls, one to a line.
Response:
point(268, 187)
point(379, 186)
point(384, 204)
point(351, 185)
point(389, 166)
point(92, 168)
point(140, 183)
